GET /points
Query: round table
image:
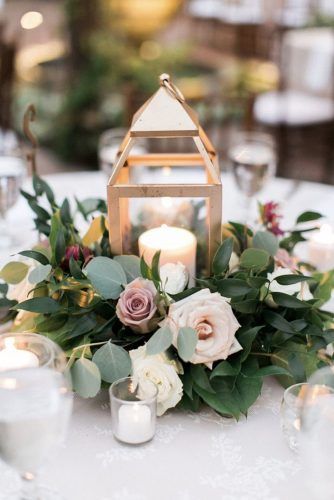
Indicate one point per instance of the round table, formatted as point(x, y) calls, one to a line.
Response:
point(193, 456)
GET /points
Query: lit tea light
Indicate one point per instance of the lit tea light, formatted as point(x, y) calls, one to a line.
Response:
point(176, 245)
point(321, 248)
point(12, 358)
point(134, 424)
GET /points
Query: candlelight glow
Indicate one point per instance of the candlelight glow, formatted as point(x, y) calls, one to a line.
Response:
point(31, 20)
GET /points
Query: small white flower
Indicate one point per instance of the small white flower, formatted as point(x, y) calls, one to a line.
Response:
point(301, 289)
point(160, 370)
point(174, 277)
point(234, 262)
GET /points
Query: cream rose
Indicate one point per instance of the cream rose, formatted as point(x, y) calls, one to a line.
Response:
point(301, 289)
point(174, 277)
point(212, 317)
point(160, 370)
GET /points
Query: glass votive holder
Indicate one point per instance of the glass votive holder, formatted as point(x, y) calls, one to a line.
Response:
point(133, 410)
point(292, 402)
point(30, 350)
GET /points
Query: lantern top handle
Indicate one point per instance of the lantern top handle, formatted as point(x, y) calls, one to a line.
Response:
point(165, 81)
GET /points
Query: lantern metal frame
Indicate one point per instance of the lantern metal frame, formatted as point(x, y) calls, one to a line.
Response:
point(165, 114)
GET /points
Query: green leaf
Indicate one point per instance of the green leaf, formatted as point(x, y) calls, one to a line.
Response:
point(254, 258)
point(145, 269)
point(155, 266)
point(44, 305)
point(233, 287)
point(270, 370)
point(65, 212)
point(299, 362)
point(307, 216)
point(186, 342)
point(247, 390)
point(41, 213)
point(284, 300)
point(86, 378)
point(42, 187)
point(75, 269)
point(14, 272)
point(266, 241)
point(107, 277)
point(277, 321)
point(200, 377)
point(40, 273)
point(113, 361)
point(291, 279)
point(60, 246)
point(130, 264)
point(82, 326)
point(248, 306)
point(222, 401)
point(246, 337)
point(55, 228)
point(225, 369)
point(33, 254)
point(160, 341)
point(222, 257)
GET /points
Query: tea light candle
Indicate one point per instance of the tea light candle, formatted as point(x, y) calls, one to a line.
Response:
point(134, 424)
point(12, 358)
point(321, 248)
point(176, 245)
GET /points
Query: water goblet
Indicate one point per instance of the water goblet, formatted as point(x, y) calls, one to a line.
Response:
point(35, 408)
point(253, 159)
point(12, 173)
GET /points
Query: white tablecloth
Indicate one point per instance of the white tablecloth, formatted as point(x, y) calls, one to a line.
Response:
point(193, 456)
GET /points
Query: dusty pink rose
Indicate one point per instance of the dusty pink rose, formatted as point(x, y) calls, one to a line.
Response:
point(284, 259)
point(212, 317)
point(136, 306)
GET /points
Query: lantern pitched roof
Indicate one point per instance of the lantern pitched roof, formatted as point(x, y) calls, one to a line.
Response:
point(164, 116)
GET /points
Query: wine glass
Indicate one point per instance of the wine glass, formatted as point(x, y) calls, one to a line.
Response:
point(35, 408)
point(290, 413)
point(12, 173)
point(109, 144)
point(253, 159)
point(317, 433)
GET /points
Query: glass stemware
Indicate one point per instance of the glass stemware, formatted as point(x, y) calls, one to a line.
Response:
point(253, 159)
point(35, 408)
point(12, 173)
point(290, 413)
point(317, 433)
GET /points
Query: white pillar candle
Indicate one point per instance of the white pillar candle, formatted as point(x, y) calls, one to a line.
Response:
point(134, 424)
point(176, 245)
point(321, 248)
point(12, 358)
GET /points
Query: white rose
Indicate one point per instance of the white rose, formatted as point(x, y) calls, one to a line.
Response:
point(160, 370)
point(234, 262)
point(174, 277)
point(301, 289)
point(212, 317)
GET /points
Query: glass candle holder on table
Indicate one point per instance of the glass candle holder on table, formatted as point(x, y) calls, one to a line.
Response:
point(133, 410)
point(30, 350)
point(290, 413)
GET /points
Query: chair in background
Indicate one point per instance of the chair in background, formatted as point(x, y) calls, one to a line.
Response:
point(301, 113)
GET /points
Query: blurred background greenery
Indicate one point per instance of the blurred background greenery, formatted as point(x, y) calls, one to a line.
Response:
point(242, 64)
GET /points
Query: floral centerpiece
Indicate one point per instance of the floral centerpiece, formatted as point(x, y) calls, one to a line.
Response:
point(259, 313)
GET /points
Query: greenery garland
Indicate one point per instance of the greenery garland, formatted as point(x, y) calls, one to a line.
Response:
point(259, 313)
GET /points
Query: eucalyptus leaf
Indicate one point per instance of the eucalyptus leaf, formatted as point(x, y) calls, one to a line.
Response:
point(113, 361)
point(86, 378)
point(14, 272)
point(160, 341)
point(186, 342)
point(254, 258)
point(130, 264)
point(107, 276)
point(266, 241)
point(40, 273)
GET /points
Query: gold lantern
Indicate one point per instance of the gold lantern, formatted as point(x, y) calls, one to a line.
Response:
point(164, 115)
